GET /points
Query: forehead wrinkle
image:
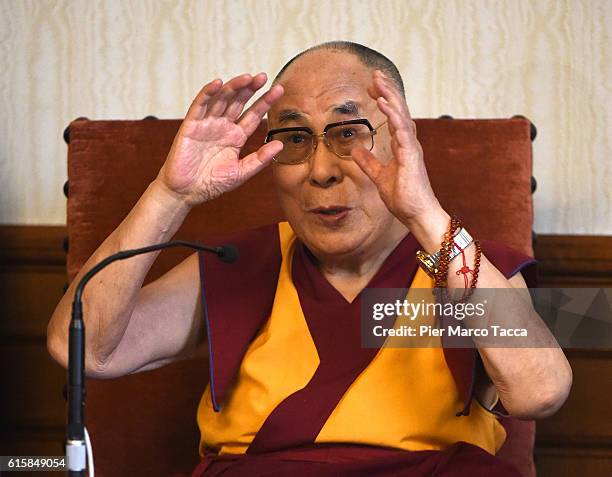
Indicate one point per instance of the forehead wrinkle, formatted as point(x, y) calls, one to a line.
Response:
point(343, 97)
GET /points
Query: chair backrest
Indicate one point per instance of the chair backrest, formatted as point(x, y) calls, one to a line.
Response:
point(144, 424)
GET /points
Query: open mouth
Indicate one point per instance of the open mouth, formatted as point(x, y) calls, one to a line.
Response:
point(331, 215)
point(334, 210)
point(330, 211)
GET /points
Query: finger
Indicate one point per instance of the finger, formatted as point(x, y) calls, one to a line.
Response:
point(388, 89)
point(405, 138)
point(390, 93)
point(397, 120)
point(256, 161)
point(384, 89)
point(219, 102)
point(367, 162)
point(372, 89)
point(236, 105)
point(389, 82)
point(198, 107)
point(253, 116)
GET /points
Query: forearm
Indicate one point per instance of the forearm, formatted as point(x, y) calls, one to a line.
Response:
point(110, 297)
point(531, 382)
point(203, 163)
point(530, 373)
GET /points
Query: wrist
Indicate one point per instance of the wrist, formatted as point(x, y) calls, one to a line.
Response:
point(431, 263)
point(155, 218)
point(168, 198)
point(428, 229)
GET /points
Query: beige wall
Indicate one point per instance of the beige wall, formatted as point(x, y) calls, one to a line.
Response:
point(549, 60)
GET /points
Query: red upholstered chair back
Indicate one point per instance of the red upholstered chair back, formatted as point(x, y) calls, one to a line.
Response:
point(145, 424)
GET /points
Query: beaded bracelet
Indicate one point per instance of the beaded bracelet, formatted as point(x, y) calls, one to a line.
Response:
point(445, 252)
point(441, 281)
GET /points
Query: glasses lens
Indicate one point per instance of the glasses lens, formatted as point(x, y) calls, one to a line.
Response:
point(296, 146)
point(344, 138)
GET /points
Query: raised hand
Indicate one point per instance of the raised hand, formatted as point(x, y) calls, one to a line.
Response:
point(402, 182)
point(203, 161)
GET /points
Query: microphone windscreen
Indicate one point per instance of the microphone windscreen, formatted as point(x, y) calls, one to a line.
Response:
point(228, 253)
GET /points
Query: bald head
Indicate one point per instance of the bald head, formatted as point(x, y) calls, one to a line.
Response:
point(368, 57)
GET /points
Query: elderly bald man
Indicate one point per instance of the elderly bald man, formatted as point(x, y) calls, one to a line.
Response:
point(292, 392)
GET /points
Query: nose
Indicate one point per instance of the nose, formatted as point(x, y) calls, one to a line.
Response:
point(325, 168)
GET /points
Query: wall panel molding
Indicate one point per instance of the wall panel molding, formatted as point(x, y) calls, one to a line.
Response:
point(559, 256)
point(574, 260)
point(25, 245)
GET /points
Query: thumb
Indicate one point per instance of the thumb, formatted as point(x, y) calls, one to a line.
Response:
point(256, 161)
point(367, 162)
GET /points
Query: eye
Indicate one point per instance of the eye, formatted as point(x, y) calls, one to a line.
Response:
point(295, 138)
point(344, 134)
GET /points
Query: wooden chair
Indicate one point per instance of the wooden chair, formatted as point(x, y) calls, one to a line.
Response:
point(145, 424)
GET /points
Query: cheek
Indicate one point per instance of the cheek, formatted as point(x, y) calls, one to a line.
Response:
point(369, 198)
point(288, 181)
point(373, 205)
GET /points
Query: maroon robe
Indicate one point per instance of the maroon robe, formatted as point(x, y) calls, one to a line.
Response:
point(237, 301)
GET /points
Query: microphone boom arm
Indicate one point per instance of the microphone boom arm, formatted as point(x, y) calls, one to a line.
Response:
point(75, 432)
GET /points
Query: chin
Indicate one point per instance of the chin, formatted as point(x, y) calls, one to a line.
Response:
point(336, 242)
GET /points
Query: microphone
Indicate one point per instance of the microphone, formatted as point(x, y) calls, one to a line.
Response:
point(75, 430)
point(228, 253)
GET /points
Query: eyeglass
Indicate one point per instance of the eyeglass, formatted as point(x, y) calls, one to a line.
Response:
point(299, 143)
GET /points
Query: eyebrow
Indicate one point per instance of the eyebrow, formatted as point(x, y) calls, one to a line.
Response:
point(349, 107)
point(287, 115)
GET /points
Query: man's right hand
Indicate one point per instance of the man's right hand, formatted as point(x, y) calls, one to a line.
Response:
point(203, 161)
point(132, 328)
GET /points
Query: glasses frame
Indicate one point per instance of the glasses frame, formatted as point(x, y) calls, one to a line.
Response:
point(323, 135)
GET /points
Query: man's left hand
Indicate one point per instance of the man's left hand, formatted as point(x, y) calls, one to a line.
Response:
point(402, 181)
